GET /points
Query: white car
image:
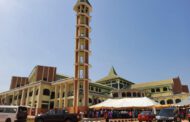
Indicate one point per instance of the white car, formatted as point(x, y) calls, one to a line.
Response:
point(13, 113)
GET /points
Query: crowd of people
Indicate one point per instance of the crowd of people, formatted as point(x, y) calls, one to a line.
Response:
point(113, 113)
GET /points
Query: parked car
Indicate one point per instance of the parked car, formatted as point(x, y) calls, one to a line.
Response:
point(188, 113)
point(167, 115)
point(57, 116)
point(13, 113)
point(147, 116)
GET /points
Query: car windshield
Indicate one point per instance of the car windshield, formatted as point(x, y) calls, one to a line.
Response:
point(188, 110)
point(146, 113)
point(167, 112)
point(52, 112)
point(22, 109)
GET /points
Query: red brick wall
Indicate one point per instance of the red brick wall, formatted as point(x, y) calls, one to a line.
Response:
point(177, 87)
point(46, 73)
point(185, 88)
point(18, 82)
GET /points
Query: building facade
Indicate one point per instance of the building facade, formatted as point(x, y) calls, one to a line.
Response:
point(45, 89)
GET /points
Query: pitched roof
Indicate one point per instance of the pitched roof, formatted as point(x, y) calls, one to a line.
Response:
point(152, 84)
point(112, 75)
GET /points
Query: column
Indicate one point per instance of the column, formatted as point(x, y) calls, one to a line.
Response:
point(39, 100)
point(55, 100)
point(61, 97)
point(33, 96)
point(27, 96)
point(66, 93)
point(22, 97)
point(13, 98)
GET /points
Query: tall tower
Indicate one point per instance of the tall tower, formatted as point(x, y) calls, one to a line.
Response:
point(81, 81)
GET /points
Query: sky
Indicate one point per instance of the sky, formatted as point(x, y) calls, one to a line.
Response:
point(145, 40)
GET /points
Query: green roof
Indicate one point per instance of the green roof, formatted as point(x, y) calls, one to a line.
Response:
point(61, 76)
point(112, 75)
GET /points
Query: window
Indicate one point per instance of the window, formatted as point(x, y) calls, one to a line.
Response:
point(165, 89)
point(10, 110)
point(22, 109)
point(30, 94)
point(81, 75)
point(19, 97)
point(81, 59)
point(115, 85)
point(70, 103)
point(158, 90)
point(115, 95)
point(82, 35)
point(44, 79)
point(1, 110)
point(120, 86)
point(162, 102)
point(100, 90)
point(134, 94)
point(82, 46)
point(92, 88)
point(46, 92)
point(96, 89)
point(128, 94)
point(123, 94)
point(170, 101)
point(52, 95)
point(152, 90)
point(45, 106)
point(177, 101)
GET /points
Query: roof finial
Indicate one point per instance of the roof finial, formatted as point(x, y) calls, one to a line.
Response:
point(112, 71)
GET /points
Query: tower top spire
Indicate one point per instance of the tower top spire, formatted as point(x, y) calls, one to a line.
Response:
point(83, 2)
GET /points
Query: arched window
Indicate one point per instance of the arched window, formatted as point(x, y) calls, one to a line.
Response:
point(157, 89)
point(170, 101)
point(134, 94)
point(115, 95)
point(162, 102)
point(165, 89)
point(123, 94)
point(139, 95)
point(177, 100)
point(152, 90)
point(46, 92)
point(128, 94)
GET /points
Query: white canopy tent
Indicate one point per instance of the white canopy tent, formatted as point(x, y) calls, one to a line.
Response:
point(185, 102)
point(142, 102)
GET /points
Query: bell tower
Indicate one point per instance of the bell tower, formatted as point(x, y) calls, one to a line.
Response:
point(82, 52)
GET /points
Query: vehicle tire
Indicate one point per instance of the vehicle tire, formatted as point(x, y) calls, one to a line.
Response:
point(68, 120)
point(8, 120)
point(40, 120)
